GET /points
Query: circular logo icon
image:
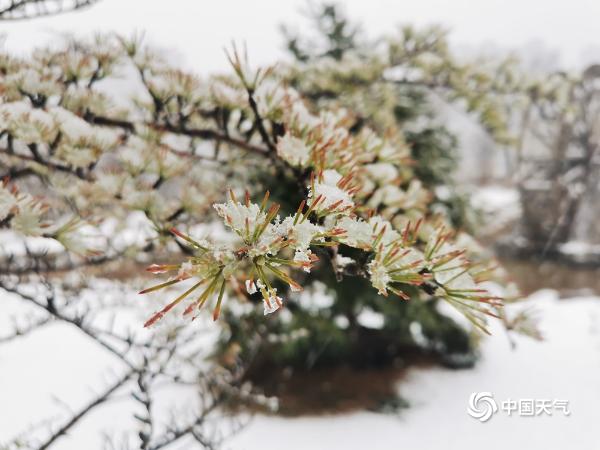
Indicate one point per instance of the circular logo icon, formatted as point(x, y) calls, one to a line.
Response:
point(482, 406)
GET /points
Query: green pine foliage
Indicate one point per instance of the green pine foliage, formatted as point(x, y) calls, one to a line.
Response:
point(332, 335)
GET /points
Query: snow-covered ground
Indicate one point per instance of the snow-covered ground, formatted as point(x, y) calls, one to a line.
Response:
point(46, 373)
point(566, 366)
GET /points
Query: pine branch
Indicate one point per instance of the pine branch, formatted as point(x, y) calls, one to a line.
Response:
point(206, 134)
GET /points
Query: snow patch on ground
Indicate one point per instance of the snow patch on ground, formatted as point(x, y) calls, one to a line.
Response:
point(580, 251)
point(499, 206)
point(497, 199)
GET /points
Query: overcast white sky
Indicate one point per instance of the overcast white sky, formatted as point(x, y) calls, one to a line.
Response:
point(197, 30)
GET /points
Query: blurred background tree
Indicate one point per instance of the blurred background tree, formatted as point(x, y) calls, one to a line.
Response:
point(556, 162)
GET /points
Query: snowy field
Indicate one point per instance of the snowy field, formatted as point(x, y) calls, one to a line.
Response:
point(47, 373)
point(565, 366)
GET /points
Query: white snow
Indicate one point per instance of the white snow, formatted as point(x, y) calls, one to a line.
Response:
point(495, 198)
point(371, 319)
point(57, 369)
point(57, 365)
point(580, 249)
point(566, 366)
point(499, 205)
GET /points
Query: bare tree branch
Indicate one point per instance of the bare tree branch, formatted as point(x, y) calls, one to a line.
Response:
point(13, 10)
point(101, 398)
